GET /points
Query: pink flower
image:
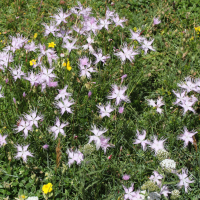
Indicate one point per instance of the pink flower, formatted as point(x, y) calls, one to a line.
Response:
point(158, 105)
point(46, 146)
point(146, 45)
point(126, 177)
point(184, 180)
point(123, 77)
point(105, 110)
point(24, 126)
point(157, 144)
point(156, 178)
point(141, 139)
point(109, 157)
point(58, 128)
point(121, 110)
point(23, 153)
point(3, 140)
point(156, 21)
point(14, 100)
point(164, 190)
point(24, 94)
point(187, 136)
point(129, 192)
point(89, 94)
point(118, 94)
point(97, 135)
point(74, 156)
point(63, 94)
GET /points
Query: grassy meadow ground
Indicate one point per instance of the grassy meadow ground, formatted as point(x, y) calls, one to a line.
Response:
point(150, 76)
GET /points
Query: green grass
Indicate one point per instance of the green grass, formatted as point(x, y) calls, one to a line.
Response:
point(149, 76)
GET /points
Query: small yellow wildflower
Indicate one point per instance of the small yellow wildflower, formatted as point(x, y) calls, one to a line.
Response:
point(35, 35)
point(64, 64)
point(135, 29)
point(47, 188)
point(0, 33)
point(23, 196)
point(192, 38)
point(68, 66)
point(4, 127)
point(32, 62)
point(52, 44)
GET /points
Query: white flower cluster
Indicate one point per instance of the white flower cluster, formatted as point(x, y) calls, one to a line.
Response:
point(32, 198)
point(168, 165)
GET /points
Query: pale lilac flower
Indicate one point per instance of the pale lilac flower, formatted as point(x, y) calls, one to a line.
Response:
point(157, 144)
point(126, 177)
point(50, 29)
point(104, 143)
point(24, 126)
point(189, 84)
point(24, 94)
point(146, 45)
point(33, 118)
point(157, 105)
point(89, 45)
point(121, 110)
point(141, 139)
point(156, 21)
point(127, 53)
point(60, 17)
point(86, 70)
point(58, 128)
point(62, 55)
point(109, 14)
point(97, 135)
point(3, 140)
point(31, 47)
point(5, 58)
point(63, 94)
point(136, 36)
point(123, 77)
point(181, 97)
point(23, 153)
point(156, 178)
point(104, 23)
point(105, 110)
point(187, 136)
point(6, 80)
point(74, 156)
point(65, 105)
point(164, 190)
point(91, 25)
point(14, 100)
point(51, 55)
point(118, 94)
point(187, 105)
point(32, 78)
point(184, 179)
point(129, 194)
point(69, 46)
point(89, 94)
point(46, 146)
point(118, 21)
point(46, 74)
point(17, 72)
point(99, 57)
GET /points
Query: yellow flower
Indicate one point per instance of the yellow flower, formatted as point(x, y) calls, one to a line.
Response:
point(35, 35)
point(68, 66)
point(23, 196)
point(32, 62)
point(135, 29)
point(47, 188)
point(64, 64)
point(192, 38)
point(52, 44)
